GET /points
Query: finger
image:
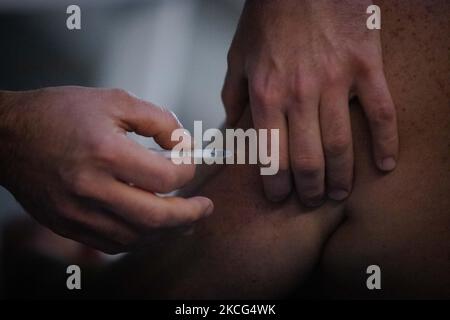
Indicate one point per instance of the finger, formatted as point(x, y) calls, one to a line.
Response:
point(306, 154)
point(146, 211)
point(102, 223)
point(148, 170)
point(85, 237)
point(337, 143)
point(149, 120)
point(276, 187)
point(96, 242)
point(376, 100)
point(234, 94)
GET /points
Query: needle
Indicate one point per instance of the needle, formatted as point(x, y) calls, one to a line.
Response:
point(196, 153)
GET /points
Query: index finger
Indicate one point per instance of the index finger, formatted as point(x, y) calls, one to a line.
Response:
point(146, 169)
point(147, 211)
point(379, 108)
point(149, 120)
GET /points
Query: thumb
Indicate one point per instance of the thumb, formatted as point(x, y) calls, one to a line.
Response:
point(149, 120)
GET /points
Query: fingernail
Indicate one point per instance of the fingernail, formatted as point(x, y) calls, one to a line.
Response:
point(176, 118)
point(187, 141)
point(338, 194)
point(210, 209)
point(208, 205)
point(388, 164)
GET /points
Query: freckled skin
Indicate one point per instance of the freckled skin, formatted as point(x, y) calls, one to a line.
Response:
point(401, 221)
point(253, 248)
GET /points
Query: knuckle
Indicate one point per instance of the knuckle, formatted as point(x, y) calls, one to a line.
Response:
point(81, 183)
point(103, 150)
point(308, 167)
point(333, 75)
point(390, 139)
point(333, 67)
point(169, 181)
point(155, 221)
point(120, 93)
point(337, 145)
point(370, 67)
point(301, 86)
point(383, 115)
point(264, 92)
point(367, 66)
point(302, 89)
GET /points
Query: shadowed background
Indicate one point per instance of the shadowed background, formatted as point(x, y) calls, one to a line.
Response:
point(170, 52)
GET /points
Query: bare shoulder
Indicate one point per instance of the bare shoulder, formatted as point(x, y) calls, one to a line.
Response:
point(251, 247)
point(401, 221)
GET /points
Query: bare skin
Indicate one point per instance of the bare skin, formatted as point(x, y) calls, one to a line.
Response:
point(66, 158)
point(401, 221)
point(93, 185)
point(295, 63)
point(253, 248)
